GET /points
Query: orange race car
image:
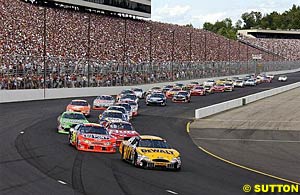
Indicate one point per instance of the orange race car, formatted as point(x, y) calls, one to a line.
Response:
point(92, 137)
point(79, 106)
point(173, 91)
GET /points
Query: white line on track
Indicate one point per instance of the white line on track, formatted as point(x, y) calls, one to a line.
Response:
point(172, 192)
point(62, 182)
point(249, 140)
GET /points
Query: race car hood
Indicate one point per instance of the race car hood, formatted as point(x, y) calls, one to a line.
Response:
point(71, 121)
point(158, 153)
point(96, 136)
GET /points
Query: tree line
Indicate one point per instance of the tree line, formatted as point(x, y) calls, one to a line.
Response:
point(289, 19)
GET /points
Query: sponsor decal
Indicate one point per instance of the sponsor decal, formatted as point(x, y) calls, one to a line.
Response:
point(96, 136)
point(157, 151)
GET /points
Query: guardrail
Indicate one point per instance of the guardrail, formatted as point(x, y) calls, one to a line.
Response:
point(41, 94)
point(224, 106)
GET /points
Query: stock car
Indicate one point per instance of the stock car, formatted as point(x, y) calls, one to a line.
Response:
point(121, 109)
point(79, 106)
point(150, 152)
point(198, 90)
point(238, 83)
point(134, 107)
point(282, 78)
point(92, 137)
point(103, 102)
point(167, 88)
point(228, 87)
point(208, 89)
point(129, 97)
point(209, 83)
point(128, 108)
point(156, 99)
point(124, 92)
point(182, 96)
point(121, 130)
point(219, 88)
point(138, 92)
point(68, 120)
point(250, 82)
point(111, 115)
point(171, 92)
point(154, 90)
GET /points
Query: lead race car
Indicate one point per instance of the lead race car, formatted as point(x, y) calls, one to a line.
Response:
point(150, 152)
point(92, 137)
point(68, 120)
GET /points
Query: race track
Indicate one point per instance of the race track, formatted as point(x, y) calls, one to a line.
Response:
point(37, 160)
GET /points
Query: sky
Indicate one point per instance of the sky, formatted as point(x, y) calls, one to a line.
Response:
point(197, 12)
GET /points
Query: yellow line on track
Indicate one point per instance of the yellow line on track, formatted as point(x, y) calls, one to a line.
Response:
point(241, 166)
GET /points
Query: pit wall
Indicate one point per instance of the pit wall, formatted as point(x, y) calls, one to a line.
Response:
point(43, 94)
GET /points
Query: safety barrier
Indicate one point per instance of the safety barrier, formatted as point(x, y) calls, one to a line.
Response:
point(40, 94)
point(221, 107)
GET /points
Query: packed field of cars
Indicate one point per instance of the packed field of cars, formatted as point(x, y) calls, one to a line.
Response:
point(114, 131)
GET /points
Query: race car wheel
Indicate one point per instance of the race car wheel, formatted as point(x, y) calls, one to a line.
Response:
point(70, 140)
point(134, 160)
point(122, 154)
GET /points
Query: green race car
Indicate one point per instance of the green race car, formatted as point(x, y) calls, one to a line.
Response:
point(68, 120)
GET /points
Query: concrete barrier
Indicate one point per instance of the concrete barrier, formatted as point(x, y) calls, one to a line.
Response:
point(221, 107)
point(40, 94)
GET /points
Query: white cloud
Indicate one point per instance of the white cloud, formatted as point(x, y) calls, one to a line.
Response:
point(211, 17)
point(167, 11)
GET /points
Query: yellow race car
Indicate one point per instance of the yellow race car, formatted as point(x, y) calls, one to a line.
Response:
point(150, 152)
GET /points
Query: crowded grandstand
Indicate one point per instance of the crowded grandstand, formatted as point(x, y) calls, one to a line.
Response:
point(63, 46)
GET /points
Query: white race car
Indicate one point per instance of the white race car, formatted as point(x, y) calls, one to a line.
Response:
point(282, 78)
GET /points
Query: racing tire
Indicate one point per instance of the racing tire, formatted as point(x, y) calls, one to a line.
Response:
point(134, 160)
point(70, 142)
point(122, 154)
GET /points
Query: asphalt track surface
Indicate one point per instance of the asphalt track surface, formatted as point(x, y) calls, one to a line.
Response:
point(37, 160)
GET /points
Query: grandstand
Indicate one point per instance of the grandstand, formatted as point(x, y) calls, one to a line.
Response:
point(50, 46)
point(285, 43)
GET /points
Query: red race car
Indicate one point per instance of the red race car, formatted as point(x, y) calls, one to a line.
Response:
point(92, 137)
point(121, 130)
point(219, 88)
point(198, 90)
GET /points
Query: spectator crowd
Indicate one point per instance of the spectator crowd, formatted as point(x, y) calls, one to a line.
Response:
point(88, 49)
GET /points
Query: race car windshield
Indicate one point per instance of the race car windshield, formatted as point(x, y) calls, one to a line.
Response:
point(113, 115)
point(93, 129)
point(126, 106)
point(199, 88)
point(182, 93)
point(127, 92)
point(148, 143)
point(76, 116)
point(118, 109)
point(227, 84)
point(129, 96)
point(121, 126)
point(106, 98)
point(138, 90)
point(176, 89)
point(79, 103)
point(220, 85)
point(158, 95)
point(132, 103)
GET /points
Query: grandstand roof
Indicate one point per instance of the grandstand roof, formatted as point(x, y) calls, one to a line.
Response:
point(262, 33)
